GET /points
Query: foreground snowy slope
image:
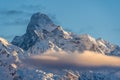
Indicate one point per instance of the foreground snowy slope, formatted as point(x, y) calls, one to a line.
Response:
point(9, 58)
point(12, 68)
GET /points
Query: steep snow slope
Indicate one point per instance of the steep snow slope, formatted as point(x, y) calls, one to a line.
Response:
point(9, 58)
point(9, 50)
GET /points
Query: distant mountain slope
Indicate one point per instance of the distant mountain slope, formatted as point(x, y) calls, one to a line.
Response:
point(42, 35)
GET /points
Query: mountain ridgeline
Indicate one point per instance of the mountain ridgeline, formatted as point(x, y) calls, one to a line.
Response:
point(42, 35)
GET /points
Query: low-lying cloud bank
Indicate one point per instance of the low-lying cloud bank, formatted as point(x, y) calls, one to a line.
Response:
point(76, 60)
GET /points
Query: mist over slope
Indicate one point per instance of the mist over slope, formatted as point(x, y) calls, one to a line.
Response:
point(75, 60)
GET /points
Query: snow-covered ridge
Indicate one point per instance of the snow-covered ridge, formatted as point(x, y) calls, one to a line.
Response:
point(42, 35)
point(9, 58)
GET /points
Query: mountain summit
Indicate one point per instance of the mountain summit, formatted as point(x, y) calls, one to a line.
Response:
point(42, 35)
point(40, 21)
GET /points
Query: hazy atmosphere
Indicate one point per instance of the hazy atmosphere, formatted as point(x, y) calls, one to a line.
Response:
point(99, 18)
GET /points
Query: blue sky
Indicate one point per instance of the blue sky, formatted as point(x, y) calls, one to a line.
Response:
point(99, 18)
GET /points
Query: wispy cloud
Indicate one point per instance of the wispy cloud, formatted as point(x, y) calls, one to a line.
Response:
point(14, 17)
point(16, 22)
point(32, 7)
point(76, 60)
point(11, 12)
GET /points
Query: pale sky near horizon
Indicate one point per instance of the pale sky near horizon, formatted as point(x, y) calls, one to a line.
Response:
point(99, 18)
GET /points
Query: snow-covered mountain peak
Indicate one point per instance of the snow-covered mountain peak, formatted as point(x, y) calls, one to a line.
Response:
point(42, 35)
point(40, 21)
point(88, 37)
point(59, 31)
point(7, 48)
